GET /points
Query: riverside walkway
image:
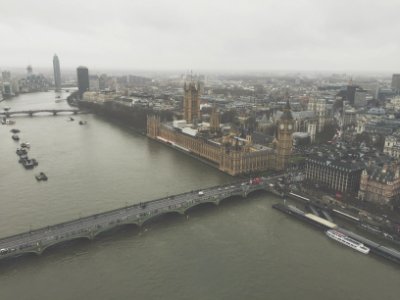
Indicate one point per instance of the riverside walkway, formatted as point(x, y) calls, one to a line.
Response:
point(36, 241)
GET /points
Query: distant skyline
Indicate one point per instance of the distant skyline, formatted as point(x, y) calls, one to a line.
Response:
point(257, 35)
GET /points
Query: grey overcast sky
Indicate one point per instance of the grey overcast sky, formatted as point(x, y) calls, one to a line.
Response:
point(260, 35)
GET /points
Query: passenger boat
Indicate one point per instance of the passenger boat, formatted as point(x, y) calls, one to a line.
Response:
point(25, 145)
point(21, 151)
point(6, 121)
point(348, 241)
point(23, 158)
point(28, 164)
point(41, 176)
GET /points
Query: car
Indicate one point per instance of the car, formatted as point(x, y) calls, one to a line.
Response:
point(201, 193)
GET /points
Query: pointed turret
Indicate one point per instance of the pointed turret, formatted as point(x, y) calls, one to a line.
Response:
point(287, 113)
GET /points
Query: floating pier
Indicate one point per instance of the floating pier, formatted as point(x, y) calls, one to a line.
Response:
point(375, 248)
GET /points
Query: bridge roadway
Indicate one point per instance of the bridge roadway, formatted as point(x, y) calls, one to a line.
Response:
point(31, 112)
point(36, 241)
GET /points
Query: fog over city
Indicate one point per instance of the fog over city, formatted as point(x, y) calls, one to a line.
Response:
point(357, 35)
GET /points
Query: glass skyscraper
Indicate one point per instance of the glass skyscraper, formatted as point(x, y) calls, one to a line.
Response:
point(57, 73)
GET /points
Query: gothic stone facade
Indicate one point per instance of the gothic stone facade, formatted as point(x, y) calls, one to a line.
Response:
point(191, 102)
point(232, 160)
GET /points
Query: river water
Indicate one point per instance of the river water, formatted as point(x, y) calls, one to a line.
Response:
point(242, 249)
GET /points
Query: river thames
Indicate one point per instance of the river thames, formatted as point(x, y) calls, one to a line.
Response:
point(242, 249)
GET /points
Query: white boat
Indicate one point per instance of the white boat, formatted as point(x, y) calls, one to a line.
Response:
point(348, 241)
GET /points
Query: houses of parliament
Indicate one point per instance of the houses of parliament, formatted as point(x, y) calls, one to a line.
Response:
point(227, 151)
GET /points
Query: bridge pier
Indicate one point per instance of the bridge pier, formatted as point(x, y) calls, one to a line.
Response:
point(30, 113)
point(54, 113)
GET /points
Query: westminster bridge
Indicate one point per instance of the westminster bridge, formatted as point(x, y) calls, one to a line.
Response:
point(36, 241)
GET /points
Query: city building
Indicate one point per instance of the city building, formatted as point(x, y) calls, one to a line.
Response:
point(396, 83)
point(94, 83)
point(6, 87)
point(349, 117)
point(351, 92)
point(29, 70)
point(7, 90)
point(6, 76)
point(393, 104)
point(57, 73)
point(392, 146)
point(360, 98)
point(322, 110)
point(380, 184)
point(99, 97)
point(83, 79)
point(103, 82)
point(32, 82)
point(336, 168)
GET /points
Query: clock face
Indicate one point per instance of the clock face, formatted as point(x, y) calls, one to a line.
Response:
point(290, 126)
point(282, 126)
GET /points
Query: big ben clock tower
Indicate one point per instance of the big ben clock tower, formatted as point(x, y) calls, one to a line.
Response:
point(284, 137)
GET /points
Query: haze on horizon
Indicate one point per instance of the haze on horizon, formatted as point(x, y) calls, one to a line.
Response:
point(257, 35)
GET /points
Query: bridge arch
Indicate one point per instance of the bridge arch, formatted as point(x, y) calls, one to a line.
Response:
point(160, 215)
point(30, 252)
point(258, 191)
point(201, 204)
point(118, 226)
point(40, 249)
